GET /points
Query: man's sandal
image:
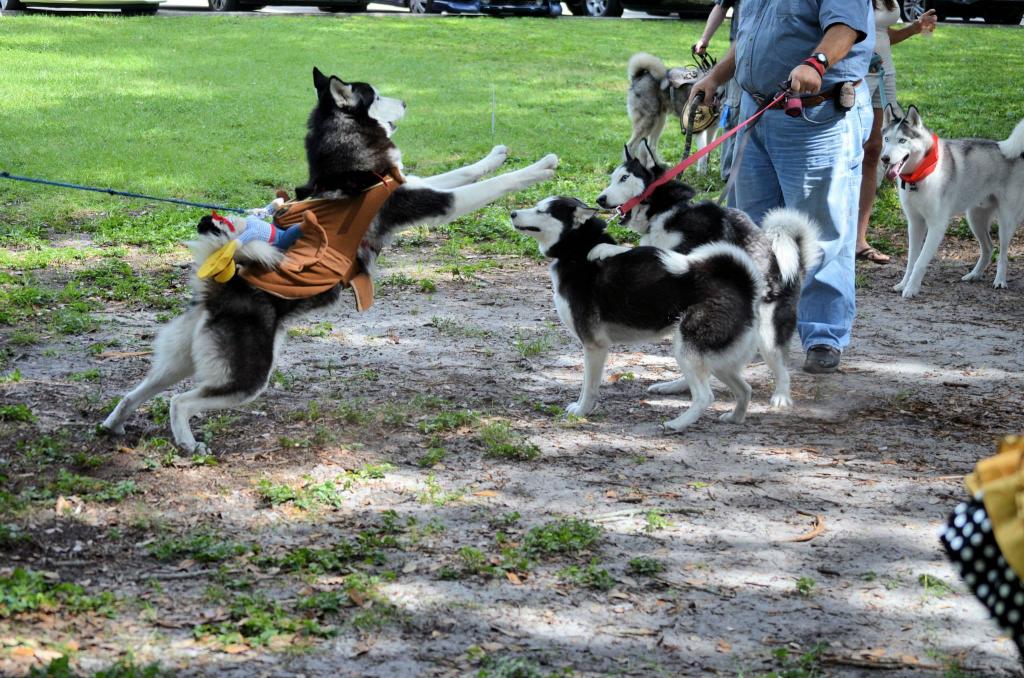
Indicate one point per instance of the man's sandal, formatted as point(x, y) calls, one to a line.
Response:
point(869, 253)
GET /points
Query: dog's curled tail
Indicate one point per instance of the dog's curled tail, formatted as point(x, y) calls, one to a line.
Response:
point(642, 62)
point(794, 238)
point(1013, 146)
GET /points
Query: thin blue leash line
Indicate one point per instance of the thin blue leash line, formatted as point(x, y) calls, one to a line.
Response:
point(110, 191)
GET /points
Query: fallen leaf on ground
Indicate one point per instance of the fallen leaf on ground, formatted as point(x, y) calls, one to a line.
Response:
point(236, 648)
point(724, 646)
point(514, 578)
point(819, 527)
point(485, 493)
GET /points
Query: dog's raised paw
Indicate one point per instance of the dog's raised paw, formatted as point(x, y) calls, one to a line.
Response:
point(113, 430)
point(498, 154)
point(549, 161)
point(970, 276)
point(898, 287)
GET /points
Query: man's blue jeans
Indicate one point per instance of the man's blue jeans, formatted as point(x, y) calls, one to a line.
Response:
point(814, 166)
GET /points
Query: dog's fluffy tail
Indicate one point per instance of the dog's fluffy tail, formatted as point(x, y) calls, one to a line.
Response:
point(642, 62)
point(794, 238)
point(1013, 147)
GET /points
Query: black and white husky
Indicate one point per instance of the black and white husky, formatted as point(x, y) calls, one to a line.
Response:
point(229, 338)
point(981, 177)
point(706, 300)
point(784, 249)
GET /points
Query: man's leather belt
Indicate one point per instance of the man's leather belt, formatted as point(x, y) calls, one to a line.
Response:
point(809, 102)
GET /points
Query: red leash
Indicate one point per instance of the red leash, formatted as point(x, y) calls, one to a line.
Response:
point(671, 174)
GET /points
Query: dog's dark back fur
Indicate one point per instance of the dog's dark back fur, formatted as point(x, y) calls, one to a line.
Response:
point(711, 301)
point(345, 147)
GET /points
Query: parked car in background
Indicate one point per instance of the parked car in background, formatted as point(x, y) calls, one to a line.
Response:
point(128, 7)
point(550, 8)
point(686, 9)
point(992, 11)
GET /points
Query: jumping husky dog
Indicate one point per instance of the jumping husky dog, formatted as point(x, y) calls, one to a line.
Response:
point(229, 338)
point(707, 300)
point(939, 178)
point(784, 249)
point(656, 91)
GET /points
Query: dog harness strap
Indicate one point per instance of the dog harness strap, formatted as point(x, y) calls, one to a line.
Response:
point(926, 166)
point(326, 253)
point(681, 167)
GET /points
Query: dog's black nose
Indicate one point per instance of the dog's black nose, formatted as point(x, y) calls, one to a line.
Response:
point(602, 201)
point(885, 159)
point(514, 213)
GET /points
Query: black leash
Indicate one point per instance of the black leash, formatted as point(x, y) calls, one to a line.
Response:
point(697, 99)
point(110, 191)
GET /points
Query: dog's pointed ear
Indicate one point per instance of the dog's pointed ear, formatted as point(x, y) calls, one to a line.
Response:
point(887, 115)
point(319, 79)
point(646, 156)
point(582, 214)
point(913, 117)
point(626, 157)
point(341, 92)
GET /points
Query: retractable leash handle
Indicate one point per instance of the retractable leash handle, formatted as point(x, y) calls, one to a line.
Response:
point(793, 105)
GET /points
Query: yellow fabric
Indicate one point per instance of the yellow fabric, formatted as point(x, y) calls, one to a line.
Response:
point(221, 264)
point(1000, 480)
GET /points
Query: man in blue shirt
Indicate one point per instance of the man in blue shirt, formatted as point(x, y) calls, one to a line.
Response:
point(811, 162)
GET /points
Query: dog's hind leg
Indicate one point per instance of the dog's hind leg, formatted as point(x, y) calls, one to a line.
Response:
point(669, 387)
point(646, 126)
point(470, 173)
point(172, 362)
point(698, 377)
point(1007, 225)
point(594, 358)
point(732, 377)
point(186, 405)
point(980, 220)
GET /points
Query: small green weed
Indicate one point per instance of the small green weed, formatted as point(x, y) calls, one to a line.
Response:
point(590, 576)
point(805, 586)
point(645, 567)
point(16, 412)
point(567, 536)
point(499, 441)
point(447, 421)
point(203, 548)
point(654, 521)
point(933, 586)
point(436, 495)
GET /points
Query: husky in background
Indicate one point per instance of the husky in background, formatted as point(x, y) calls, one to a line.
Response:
point(228, 340)
point(784, 249)
point(981, 177)
point(706, 300)
point(655, 92)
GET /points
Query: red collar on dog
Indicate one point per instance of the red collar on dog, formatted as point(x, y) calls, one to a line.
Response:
point(926, 166)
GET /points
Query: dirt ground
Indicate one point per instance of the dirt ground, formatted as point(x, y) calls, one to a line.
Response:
point(873, 455)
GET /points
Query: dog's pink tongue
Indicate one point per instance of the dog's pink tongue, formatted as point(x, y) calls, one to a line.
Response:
point(891, 173)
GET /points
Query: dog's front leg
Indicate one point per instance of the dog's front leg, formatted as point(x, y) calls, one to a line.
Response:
point(1007, 225)
point(470, 173)
point(468, 199)
point(916, 229)
point(594, 357)
point(936, 230)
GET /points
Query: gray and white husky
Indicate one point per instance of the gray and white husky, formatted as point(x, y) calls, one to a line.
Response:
point(981, 177)
point(784, 249)
point(655, 92)
point(229, 338)
point(706, 300)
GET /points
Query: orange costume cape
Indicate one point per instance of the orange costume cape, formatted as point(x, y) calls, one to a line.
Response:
point(325, 255)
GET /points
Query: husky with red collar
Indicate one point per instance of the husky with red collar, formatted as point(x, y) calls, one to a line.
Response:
point(228, 340)
point(939, 178)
